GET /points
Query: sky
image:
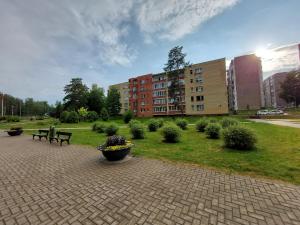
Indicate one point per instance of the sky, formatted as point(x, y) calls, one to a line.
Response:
point(43, 44)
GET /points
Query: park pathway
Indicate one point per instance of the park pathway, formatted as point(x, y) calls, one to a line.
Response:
point(47, 184)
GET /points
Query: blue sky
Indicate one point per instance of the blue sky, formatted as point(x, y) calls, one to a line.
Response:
point(45, 43)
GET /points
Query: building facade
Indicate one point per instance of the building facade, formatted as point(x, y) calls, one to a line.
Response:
point(140, 95)
point(123, 89)
point(272, 90)
point(245, 83)
point(205, 88)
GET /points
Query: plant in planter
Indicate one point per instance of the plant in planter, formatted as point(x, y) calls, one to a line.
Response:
point(115, 148)
point(15, 131)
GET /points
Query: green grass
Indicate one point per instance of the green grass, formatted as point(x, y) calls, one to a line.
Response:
point(277, 154)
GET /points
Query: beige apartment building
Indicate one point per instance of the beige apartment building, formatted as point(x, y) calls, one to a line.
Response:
point(205, 88)
point(123, 89)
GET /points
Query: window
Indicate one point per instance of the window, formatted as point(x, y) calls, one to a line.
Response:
point(191, 72)
point(192, 98)
point(199, 89)
point(143, 81)
point(199, 79)
point(198, 70)
point(191, 80)
point(193, 107)
point(200, 107)
point(159, 93)
point(160, 109)
point(159, 101)
point(192, 89)
point(199, 98)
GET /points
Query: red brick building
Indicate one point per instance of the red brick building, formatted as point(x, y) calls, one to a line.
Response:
point(245, 83)
point(140, 91)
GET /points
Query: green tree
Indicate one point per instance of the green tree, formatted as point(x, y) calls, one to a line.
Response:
point(58, 109)
point(113, 102)
point(291, 88)
point(76, 94)
point(96, 99)
point(82, 112)
point(175, 71)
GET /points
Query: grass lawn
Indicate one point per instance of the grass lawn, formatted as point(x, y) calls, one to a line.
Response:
point(277, 154)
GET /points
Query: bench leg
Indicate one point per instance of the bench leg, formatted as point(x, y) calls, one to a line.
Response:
point(40, 138)
point(61, 142)
point(33, 137)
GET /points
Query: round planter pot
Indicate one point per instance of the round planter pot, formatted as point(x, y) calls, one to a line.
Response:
point(116, 155)
point(14, 132)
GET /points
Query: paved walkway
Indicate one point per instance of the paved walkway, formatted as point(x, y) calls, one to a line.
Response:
point(48, 184)
point(280, 122)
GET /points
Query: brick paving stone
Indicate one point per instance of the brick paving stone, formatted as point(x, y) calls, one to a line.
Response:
point(48, 184)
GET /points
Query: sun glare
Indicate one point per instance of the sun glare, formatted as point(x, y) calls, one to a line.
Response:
point(263, 53)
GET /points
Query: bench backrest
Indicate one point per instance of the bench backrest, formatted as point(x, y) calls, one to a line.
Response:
point(44, 131)
point(65, 134)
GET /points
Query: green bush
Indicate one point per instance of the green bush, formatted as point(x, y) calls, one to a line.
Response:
point(91, 116)
point(73, 117)
point(227, 122)
point(212, 130)
point(64, 116)
point(2, 118)
point(111, 129)
point(127, 116)
point(161, 122)
point(182, 123)
point(104, 114)
point(171, 133)
point(213, 120)
point(99, 127)
point(55, 122)
point(201, 124)
point(153, 125)
point(12, 119)
point(241, 138)
point(130, 124)
point(137, 131)
point(40, 118)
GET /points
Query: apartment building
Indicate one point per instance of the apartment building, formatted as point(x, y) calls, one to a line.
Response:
point(160, 94)
point(140, 95)
point(272, 90)
point(205, 88)
point(245, 84)
point(123, 89)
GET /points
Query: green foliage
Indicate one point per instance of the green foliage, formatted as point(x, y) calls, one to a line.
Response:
point(240, 138)
point(160, 122)
point(52, 131)
point(2, 118)
point(127, 116)
point(69, 117)
point(96, 99)
point(137, 130)
point(290, 88)
point(212, 130)
point(99, 127)
point(64, 116)
point(40, 118)
point(132, 122)
point(12, 119)
point(58, 109)
point(182, 123)
point(82, 112)
point(171, 133)
point(227, 122)
point(111, 129)
point(104, 114)
point(113, 102)
point(91, 116)
point(153, 125)
point(212, 120)
point(76, 94)
point(115, 140)
point(201, 124)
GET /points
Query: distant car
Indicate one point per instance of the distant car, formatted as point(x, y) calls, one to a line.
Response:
point(276, 112)
point(262, 112)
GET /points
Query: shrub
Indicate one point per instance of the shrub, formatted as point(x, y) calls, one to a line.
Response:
point(153, 125)
point(64, 116)
point(212, 130)
point(91, 116)
point(241, 138)
point(130, 124)
point(104, 114)
point(201, 124)
point(182, 123)
point(127, 116)
point(137, 131)
point(2, 118)
point(111, 129)
point(40, 118)
point(12, 119)
point(115, 140)
point(227, 122)
point(171, 133)
point(213, 120)
point(160, 122)
point(55, 122)
point(99, 127)
point(82, 112)
point(72, 117)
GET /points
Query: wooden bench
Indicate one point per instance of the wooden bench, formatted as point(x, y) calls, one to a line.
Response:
point(61, 137)
point(41, 134)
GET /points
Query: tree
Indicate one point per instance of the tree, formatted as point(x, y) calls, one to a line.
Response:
point(76, 94)
point(174, 69)
point(82, 112)
point(96, 99)
point(113, 102)
point(291, 88)
point(58, 109)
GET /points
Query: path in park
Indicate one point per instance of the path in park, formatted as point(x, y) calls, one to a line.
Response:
point(47, 184)
point(280, 122)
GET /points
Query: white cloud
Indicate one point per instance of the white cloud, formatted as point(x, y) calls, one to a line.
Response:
point(172, 19)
